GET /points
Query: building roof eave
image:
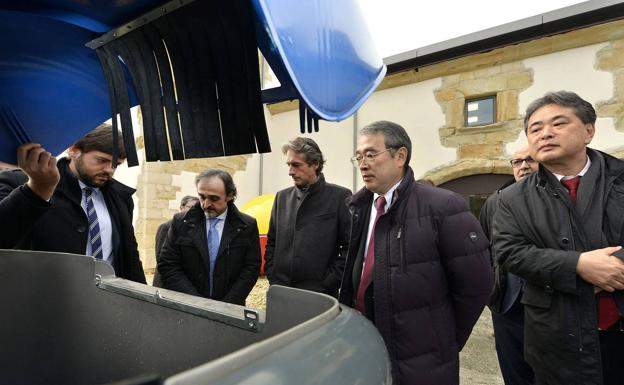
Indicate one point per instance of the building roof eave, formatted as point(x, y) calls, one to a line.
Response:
point(546, 24)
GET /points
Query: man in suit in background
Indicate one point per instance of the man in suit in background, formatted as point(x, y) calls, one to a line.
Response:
point(185, 205)
point(212, 250)
point(507, 311)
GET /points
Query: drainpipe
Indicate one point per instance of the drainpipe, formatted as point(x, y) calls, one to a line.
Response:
point(355, 135)
point(261, 171)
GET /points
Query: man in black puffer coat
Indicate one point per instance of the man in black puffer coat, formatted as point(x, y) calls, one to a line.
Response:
point(418, 264)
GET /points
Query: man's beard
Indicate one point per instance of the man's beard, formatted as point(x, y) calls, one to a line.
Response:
point(211, 213)
point(86, 178)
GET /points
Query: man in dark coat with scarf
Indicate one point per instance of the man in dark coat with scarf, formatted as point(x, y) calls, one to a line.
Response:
point(308, 233)
point(90, 212)
point(418, 266)
point(558, 230)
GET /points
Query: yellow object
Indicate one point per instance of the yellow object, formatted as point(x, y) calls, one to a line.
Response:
point(260, 208)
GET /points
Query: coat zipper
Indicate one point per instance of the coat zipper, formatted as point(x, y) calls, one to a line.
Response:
point(401, 251)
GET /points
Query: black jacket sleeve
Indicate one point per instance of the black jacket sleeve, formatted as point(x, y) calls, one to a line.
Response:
point(336, 268)
point(269, 250)
point(466, 259)
point(537, 265)
point(18, 212)
point(248, 274)
point(10, 180)
point(170, 267)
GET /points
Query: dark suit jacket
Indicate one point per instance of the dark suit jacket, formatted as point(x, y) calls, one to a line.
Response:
point(183, 264)
point(21, 205)
point(10, 180)
point(24, 208)
point(63, 227)
point(308, 238)
point(161, 235)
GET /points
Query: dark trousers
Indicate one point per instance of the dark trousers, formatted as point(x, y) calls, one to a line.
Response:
point(509, 337)
point(612, 355)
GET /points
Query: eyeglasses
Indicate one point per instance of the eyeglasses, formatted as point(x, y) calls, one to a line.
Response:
point(369, 157)
point(515, 163)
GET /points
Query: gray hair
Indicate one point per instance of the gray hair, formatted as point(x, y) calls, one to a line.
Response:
point(230, 187)
point(395, 136)
point(309, 149)
point(582, 108)
point(187, 199)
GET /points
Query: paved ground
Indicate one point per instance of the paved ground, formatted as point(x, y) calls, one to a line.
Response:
point(478, 363)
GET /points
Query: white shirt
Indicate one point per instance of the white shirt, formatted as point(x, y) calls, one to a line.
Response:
point(581, 173)
point(104, 221)
point(388, 195)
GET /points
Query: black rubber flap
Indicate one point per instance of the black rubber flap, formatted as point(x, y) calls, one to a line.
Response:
point(196, 76)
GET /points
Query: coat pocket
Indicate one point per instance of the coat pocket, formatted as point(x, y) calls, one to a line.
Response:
point(184, 241)
point(536, 296)
point(324, 216)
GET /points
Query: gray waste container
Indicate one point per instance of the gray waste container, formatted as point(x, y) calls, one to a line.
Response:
point(66, 319)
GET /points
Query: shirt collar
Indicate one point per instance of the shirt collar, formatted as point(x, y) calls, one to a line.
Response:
point(581, 173)
point(388, 195)
point(83, 186)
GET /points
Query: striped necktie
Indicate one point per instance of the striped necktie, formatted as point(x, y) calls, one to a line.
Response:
point(94, 227)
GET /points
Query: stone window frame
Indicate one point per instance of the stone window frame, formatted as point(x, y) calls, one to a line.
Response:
point(470, 99)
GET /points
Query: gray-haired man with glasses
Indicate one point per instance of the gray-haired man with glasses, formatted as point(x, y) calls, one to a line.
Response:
point(507, 311)
point(418, 265)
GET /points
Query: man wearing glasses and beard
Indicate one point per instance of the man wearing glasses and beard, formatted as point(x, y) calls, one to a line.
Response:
point(90, 213)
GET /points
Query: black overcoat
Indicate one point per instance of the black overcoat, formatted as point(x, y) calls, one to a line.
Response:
point(539, 235)
point(308, 237)
point(183, 264)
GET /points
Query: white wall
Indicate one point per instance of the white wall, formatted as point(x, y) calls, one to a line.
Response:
point(573, 70)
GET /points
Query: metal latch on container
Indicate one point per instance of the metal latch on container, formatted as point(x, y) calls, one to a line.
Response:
point(251, 318)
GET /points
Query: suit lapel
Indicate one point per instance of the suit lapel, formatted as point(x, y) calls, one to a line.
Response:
point(230, 228)
point(199, 237)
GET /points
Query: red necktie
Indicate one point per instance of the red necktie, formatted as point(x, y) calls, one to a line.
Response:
point(572, 186)
point(608, 313)
point(369, 259)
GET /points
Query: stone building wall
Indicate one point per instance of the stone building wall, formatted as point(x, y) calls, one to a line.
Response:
point(479, 150)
